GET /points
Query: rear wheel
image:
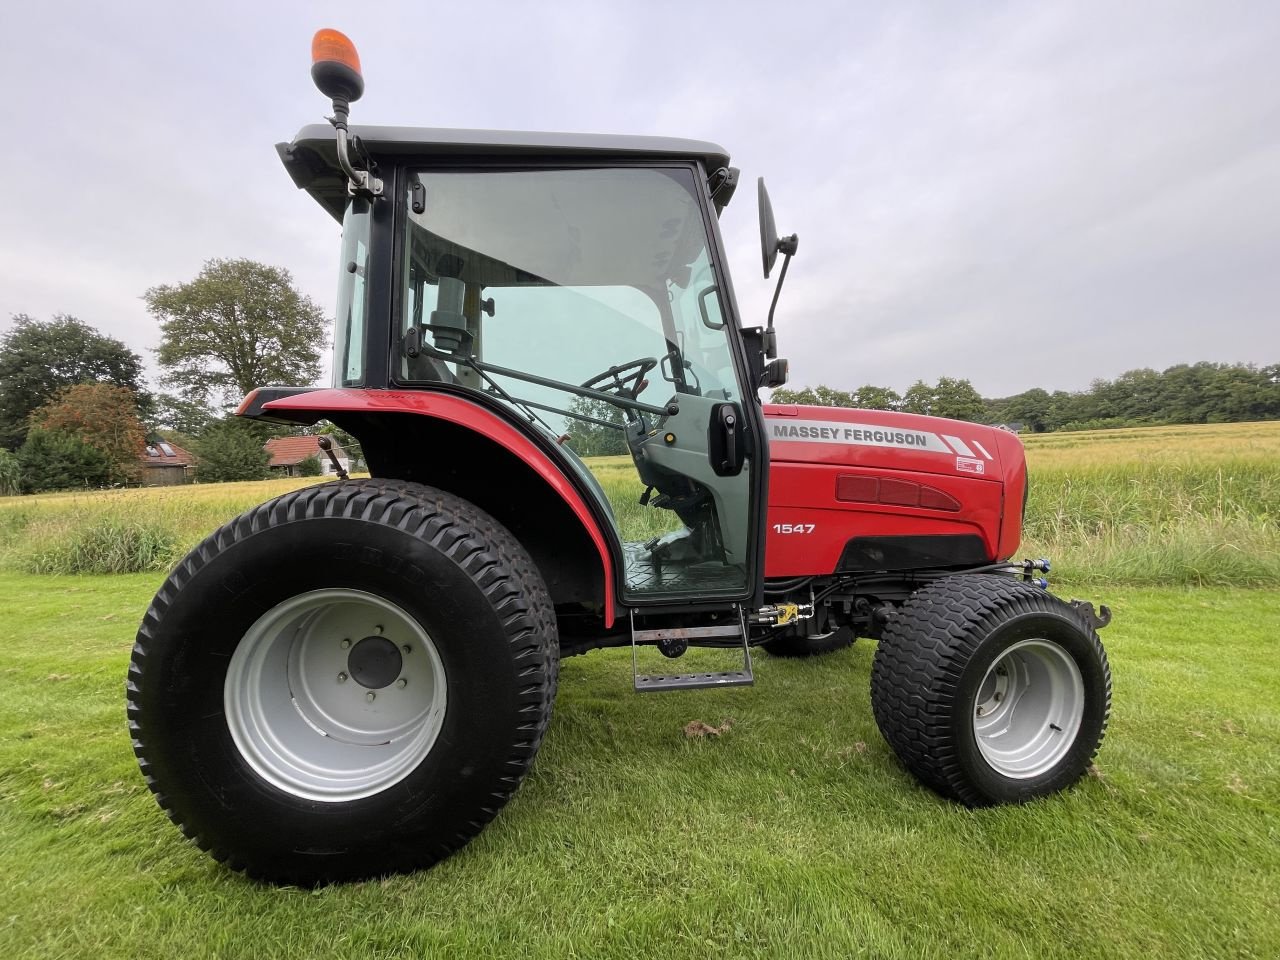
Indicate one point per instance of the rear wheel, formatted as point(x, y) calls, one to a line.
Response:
point(348, 681)
point(991, 690)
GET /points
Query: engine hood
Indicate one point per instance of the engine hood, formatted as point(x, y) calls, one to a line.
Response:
point(886, 440)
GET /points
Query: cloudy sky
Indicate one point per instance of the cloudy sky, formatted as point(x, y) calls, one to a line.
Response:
point(1021, 194)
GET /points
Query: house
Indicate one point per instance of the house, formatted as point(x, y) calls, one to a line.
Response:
point(288, 452)
point(164, 464)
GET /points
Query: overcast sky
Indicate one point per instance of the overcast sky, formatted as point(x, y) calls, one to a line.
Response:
point(1021, 194)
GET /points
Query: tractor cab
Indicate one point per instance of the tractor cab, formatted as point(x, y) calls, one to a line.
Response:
point(573, 285)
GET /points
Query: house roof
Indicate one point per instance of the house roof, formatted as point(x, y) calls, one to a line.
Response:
point(162, 453)
point(290, 451)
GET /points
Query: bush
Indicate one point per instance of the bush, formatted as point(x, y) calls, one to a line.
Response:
point(310, 467)
point(10, 474)
point(106, 544)
point(53, 460)
point(231, 450)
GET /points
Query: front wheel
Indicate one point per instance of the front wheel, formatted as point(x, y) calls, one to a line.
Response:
point(347, 681)
point(811, 645)
point(991, 690)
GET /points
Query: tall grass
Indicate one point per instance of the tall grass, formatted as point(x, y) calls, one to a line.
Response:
point(1166, 505)
point(1163, 505)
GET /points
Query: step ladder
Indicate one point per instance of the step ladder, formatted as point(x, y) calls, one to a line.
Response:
point(645, 683)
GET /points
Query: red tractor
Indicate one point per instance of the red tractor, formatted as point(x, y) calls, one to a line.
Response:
point(353, 678)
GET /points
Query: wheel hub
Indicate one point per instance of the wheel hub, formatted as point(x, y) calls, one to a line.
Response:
point(375, 662)
point(1028, 709)
point(299, 720)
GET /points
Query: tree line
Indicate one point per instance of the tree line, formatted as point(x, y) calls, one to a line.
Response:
point(1186, 393)
point(74, 411)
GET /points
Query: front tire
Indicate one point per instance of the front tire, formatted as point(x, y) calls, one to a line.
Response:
point(347, 681)
point(991, 690)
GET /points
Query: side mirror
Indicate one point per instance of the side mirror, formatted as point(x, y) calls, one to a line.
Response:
point(768, 230)
point(770, 243)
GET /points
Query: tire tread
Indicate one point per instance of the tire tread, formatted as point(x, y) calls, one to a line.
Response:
point(477, 543)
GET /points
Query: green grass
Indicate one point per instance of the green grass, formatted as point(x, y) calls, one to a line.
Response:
point(794, 834)
point(1167, 520)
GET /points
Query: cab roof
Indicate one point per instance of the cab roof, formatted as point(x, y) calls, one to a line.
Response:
point(312, 158)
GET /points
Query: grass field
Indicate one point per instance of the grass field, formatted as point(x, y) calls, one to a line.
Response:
point(792, 834)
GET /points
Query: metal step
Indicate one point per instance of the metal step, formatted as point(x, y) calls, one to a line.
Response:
point(646, 683)
point(692, 681)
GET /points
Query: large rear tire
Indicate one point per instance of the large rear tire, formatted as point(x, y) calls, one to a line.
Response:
point(345, 682)
point(991, 690)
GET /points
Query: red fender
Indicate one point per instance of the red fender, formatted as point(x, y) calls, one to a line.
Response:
point(466, 414)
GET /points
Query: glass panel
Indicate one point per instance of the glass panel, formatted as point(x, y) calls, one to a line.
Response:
point(348, 334)
point(585, 300)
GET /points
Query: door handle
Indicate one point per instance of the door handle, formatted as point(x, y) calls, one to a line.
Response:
point(730, 439)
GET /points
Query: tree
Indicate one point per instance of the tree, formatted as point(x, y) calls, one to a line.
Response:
point(103, 416)
point(173, 413)
point(1033, 407)
point(819, 396)
point(37, 359)
point(870, 397)
point(590, 439)
point(958, 400)
point(310, 467)
point(231, 450)
point(236, 326)
point(53, 460)
point(918, 398)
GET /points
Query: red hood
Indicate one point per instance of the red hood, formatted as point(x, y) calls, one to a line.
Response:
point(878, 438)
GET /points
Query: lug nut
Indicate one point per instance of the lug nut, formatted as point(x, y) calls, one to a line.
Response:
point(402, 683)
point(999, 696)
point(370, 696)
point(345, 643)
point(378, 627)
point(407, 649)
point(342, 678)
point(980, 711)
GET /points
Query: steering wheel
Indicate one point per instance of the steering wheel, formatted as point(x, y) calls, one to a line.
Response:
point(627, 378)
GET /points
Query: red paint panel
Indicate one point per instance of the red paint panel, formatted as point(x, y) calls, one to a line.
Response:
point(803, 502)
point(466, 414)
point(1014, 457)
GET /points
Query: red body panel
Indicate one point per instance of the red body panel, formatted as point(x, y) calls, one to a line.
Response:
point(835, 474)
point(969, 479)
point(466, 414)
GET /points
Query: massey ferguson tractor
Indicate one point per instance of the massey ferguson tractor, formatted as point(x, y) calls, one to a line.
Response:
point(353, 678)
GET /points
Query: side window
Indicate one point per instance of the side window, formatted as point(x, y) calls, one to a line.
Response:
point(700, 322)
point(348, 334)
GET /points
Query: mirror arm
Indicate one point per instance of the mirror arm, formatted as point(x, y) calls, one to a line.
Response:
point(770, 341)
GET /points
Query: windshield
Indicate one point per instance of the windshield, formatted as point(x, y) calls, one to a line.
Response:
point(562, 275)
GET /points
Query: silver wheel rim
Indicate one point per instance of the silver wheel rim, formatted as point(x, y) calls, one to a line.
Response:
point(335, 695)
point(1029, 708)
